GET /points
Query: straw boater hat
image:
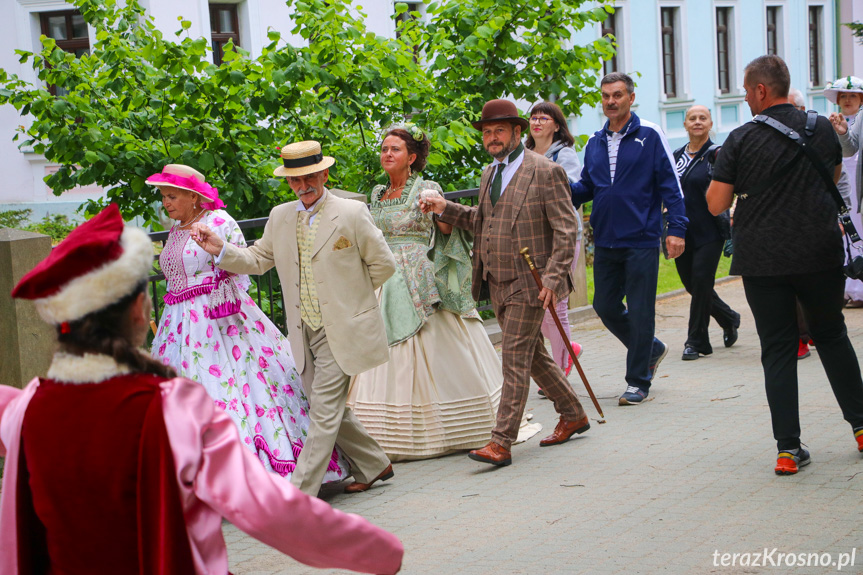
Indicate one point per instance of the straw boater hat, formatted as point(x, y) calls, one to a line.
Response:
point(850, 84)
point(190, 179)
point(302, 158)
point(500, 111)
point(99, 263)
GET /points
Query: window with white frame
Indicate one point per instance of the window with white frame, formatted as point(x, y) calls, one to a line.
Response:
point(724, 55)
point(613, 27)
point(225, 26)
point(773, 20)
point(672, 78)
point(69, 31)
point(816, 46)
point(407, 15)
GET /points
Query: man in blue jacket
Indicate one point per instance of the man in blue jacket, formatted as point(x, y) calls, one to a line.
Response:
point(629, 174)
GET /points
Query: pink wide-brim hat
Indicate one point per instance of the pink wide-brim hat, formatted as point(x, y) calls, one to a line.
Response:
point(190, 179)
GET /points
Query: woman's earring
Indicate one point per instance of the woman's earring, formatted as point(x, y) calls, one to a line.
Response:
point(410, 172)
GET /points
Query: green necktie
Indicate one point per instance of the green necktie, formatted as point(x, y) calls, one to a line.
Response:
point(497, 182)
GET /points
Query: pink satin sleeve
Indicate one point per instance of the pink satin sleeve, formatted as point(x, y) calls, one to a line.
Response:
point(13, 405)
point(7, 394)
point(220, 477)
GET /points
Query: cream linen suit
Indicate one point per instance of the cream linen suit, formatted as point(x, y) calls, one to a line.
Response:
point(353, 338)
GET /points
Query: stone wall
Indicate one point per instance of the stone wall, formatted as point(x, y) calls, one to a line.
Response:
point(26, 342)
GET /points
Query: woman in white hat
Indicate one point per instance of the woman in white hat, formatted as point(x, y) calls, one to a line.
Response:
point(847, 93)
point(115, 466)
point(211, 331)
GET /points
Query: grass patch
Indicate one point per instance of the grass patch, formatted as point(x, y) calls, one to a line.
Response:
point(668, 279)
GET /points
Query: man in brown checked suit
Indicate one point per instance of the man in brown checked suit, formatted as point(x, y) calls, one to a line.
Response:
point(524, 201)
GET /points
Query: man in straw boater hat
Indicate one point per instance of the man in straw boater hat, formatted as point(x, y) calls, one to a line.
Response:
point(523, 202)
point(330, 258)
point(113, 465)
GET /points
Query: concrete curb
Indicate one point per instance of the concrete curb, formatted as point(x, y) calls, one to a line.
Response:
point(586, 312)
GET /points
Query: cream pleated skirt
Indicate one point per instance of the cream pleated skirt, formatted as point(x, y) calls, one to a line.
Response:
point(439, 392)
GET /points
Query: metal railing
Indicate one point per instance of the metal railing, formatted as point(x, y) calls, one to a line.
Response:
point(264, 284)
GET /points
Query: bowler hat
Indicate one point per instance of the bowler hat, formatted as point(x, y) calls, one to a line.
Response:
point(500, 111)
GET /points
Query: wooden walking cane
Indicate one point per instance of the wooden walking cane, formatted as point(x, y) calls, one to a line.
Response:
point(525, 252)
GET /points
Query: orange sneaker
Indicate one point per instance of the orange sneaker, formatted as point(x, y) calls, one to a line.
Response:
point(858, 435)
point(789, 462)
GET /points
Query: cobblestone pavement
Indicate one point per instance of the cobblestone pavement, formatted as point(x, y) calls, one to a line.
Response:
point(659, 488)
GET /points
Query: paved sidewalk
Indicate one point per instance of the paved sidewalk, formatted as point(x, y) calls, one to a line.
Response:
point(658, 489)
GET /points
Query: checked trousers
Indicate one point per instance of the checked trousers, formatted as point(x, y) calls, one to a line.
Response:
point(525, 356)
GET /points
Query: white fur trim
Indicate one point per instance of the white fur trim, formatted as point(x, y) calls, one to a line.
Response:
point(102, 286)
point(87, 368)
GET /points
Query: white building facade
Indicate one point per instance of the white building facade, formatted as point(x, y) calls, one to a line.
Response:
point(681, 52)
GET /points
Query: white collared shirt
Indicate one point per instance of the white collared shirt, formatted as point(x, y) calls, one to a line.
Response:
point(509, 170)
point(301, 207)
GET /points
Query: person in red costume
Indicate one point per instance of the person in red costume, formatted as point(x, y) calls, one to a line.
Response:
point(113, 465)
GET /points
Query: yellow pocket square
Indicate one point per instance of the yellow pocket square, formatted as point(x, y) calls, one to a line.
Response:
point(342, 243)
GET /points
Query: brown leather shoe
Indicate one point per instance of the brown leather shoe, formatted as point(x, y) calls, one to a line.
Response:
point(356, 486)
point(564, 430)
point(492, 453)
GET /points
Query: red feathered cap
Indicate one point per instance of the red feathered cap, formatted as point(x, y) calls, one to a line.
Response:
point(99, 263)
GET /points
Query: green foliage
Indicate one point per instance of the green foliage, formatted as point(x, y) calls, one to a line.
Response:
point(57, 226)
point(14, 218)
point(856, 29)
point(140, 100)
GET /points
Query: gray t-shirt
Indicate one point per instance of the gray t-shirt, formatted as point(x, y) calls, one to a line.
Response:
point(791, 227)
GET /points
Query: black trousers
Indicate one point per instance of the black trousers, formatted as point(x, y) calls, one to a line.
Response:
point(822, 297)
point(697, 270)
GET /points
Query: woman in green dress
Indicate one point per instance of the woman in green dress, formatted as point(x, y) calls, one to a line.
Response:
point(440, 390)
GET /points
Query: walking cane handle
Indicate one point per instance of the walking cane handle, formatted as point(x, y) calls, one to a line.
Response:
point(525, 251)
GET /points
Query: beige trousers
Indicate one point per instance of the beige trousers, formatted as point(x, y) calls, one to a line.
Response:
point(326, 386)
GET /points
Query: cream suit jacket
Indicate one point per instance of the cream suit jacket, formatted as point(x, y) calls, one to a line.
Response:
point(346, 278)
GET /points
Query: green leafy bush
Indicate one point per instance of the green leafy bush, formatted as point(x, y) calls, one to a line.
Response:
point(57, 226)
point(140, 100)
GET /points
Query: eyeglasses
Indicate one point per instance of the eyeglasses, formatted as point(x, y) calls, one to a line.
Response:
point(541, 120)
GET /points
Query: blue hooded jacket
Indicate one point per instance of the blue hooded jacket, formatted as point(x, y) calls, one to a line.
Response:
point(627, 213)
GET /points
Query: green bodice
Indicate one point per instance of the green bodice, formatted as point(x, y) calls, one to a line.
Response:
point(433, 270)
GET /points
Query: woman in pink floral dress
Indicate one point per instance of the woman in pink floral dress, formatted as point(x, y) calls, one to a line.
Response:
point(234, 351)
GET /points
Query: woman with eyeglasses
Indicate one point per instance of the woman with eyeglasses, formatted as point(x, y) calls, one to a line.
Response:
point(549, 135)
